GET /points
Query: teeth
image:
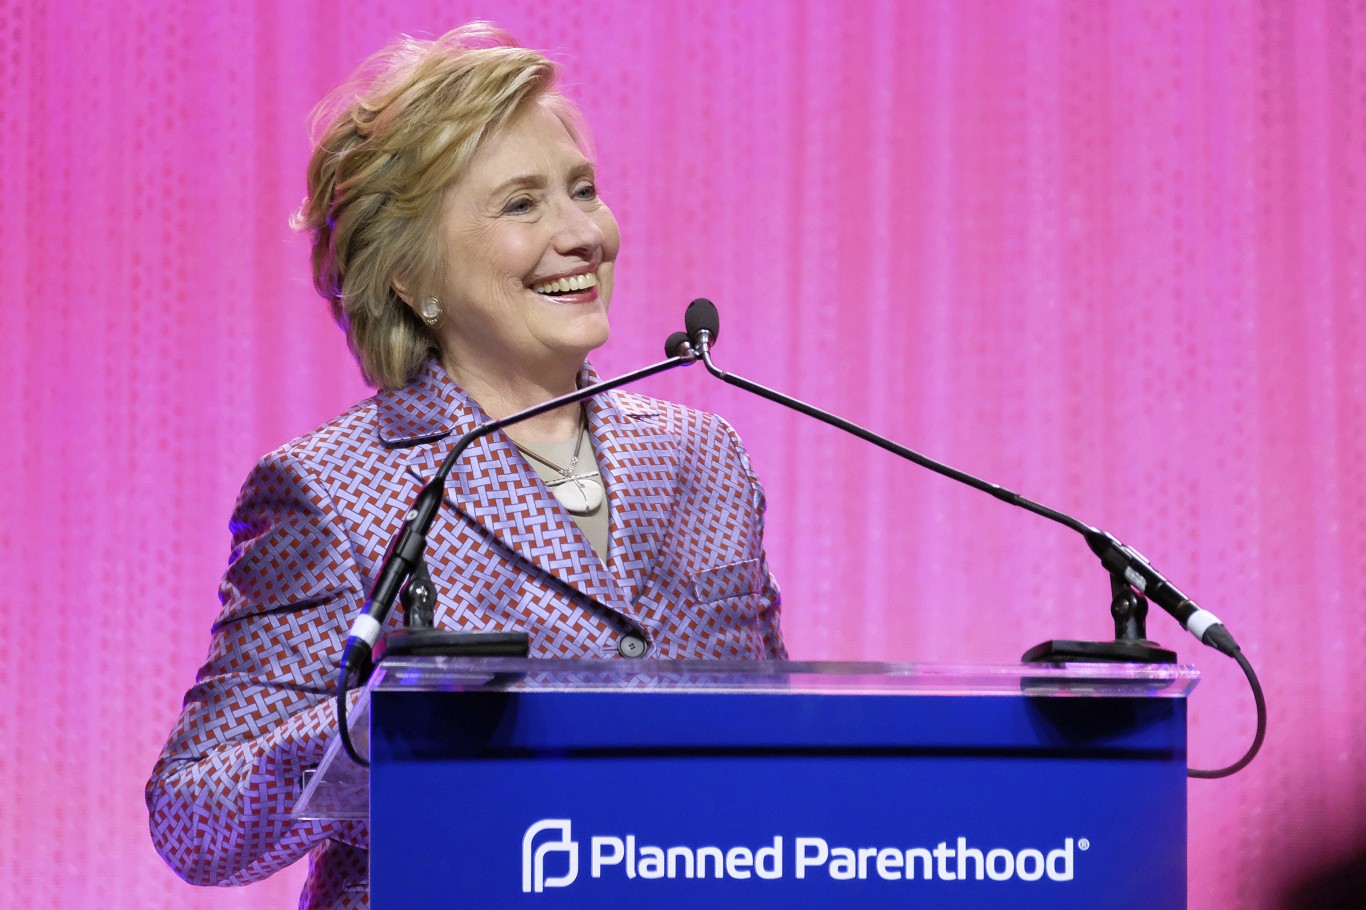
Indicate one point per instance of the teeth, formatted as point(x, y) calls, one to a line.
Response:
point(565, 285)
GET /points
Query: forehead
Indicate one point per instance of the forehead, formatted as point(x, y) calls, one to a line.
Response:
point(536, 142)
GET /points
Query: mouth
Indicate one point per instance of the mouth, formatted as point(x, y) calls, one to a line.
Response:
point(579, 288)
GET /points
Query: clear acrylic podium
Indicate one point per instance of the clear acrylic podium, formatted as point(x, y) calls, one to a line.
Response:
point(506, 782)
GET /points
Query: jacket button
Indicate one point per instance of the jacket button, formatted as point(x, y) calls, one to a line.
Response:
point(631, 646)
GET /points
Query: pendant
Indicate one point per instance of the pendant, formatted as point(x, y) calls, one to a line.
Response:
point(580, 494)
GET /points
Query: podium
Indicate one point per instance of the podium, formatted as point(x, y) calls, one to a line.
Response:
point(506, 782)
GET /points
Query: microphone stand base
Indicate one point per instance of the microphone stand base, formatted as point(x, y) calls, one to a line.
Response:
point(1058, 651)
point(448, 643)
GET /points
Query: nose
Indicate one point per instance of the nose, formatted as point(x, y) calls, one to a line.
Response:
point(577, 233)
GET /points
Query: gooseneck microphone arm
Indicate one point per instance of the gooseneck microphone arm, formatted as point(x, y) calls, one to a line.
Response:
point(1121, 561)
point(406, 550)
point(881, 441)
point(703, 327)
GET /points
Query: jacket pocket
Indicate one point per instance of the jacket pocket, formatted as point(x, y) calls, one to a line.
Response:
point(736, 579)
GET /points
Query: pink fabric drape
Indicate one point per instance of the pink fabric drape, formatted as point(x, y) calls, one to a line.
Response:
point(1108, 254)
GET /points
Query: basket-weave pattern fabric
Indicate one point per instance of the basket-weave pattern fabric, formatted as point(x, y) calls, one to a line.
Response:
point(685, 572)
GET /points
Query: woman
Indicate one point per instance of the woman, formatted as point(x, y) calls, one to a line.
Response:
point(459, 237)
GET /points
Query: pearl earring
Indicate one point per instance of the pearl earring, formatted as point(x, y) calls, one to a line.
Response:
point(431, 311)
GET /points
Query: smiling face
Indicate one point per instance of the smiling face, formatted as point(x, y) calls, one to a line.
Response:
point(528, 249)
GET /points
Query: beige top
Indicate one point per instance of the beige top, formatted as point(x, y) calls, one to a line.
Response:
point(593, 524)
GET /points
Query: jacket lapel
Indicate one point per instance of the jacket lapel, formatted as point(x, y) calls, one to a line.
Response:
point(492, 485)
point(639, 465)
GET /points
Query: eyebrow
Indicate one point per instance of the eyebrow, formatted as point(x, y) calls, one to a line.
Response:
point(534, 181)
point(538, 181)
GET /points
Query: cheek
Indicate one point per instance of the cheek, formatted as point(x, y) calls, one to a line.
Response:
point(502, 253)
point(611, 234)
point(518, 256)
point(611, 242)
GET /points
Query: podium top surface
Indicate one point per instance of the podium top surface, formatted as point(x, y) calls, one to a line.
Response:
point(464, 674)
point(340, 788)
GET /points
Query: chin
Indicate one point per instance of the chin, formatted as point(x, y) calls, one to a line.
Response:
point(590, 331)
point(592, 344)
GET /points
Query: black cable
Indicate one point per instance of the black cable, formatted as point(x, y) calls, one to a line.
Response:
point(1260, 735)
point(344, 732)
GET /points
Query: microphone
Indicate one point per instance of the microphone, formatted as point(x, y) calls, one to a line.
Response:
point(406, 550)
point(703, 324)
point(679, 345)
point(1120, 561)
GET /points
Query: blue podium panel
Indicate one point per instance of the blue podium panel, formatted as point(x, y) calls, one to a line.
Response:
point(512, 783)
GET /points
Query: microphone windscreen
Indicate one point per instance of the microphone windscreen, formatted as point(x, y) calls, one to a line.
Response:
point(701, 314)
point(676, 344)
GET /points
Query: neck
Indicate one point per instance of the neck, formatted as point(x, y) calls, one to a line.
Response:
point(503, 393)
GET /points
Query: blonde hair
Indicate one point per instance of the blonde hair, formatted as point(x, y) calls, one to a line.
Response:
point(396, 135)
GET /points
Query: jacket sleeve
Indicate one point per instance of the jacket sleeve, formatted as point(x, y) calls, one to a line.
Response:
point(263, 707)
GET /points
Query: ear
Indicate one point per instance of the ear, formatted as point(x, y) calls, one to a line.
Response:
point(401, 289)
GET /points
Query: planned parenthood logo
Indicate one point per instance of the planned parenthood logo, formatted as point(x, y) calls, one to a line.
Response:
point(800, 857)
point(534, 879)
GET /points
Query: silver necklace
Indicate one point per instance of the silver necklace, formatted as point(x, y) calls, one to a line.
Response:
point(580, 493)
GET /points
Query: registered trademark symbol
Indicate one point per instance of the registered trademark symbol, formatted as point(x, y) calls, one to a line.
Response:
point(1083, 844)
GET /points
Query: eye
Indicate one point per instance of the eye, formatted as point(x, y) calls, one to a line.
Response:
point(586, 191)
point(519, 205)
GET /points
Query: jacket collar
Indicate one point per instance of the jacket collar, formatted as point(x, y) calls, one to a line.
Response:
point(424, 409)
point(492, 484)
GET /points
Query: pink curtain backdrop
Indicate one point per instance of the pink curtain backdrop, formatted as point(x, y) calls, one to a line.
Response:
point(1108, 254)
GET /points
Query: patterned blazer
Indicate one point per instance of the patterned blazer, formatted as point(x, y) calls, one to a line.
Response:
point(685, 572)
